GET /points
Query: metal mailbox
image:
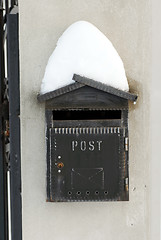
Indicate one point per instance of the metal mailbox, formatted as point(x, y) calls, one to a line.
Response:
point(87, 142)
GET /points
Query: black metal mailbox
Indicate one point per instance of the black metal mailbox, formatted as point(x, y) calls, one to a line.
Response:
point(87, 142)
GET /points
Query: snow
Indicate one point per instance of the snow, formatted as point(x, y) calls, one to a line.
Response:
point(86, 51)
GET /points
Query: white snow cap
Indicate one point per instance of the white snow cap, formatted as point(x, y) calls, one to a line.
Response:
point(85, 51)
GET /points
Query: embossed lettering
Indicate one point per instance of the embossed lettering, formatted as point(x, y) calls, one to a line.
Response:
point(99, 145)
point(83, 145)
point(91, 145)
point(86, 145)
point(74, 144)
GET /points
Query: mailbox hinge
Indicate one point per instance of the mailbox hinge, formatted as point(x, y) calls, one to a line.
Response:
point(126, 184)
point(126, 144)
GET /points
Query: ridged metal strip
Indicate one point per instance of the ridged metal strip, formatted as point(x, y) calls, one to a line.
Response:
point(88, 130)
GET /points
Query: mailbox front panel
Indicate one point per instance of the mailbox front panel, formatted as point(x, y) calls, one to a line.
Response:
point(86, 164)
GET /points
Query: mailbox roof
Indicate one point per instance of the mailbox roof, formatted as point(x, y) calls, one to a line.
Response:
point(83, 81)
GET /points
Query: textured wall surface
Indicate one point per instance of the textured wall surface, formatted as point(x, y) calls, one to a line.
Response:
point(155, 120)
point(128, 25)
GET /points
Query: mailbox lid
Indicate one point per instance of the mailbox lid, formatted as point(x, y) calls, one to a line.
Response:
point(87, 97)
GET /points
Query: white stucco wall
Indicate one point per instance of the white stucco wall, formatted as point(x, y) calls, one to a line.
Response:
point(155, 121)
point(128, 24)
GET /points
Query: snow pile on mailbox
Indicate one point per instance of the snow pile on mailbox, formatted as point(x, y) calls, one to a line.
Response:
point(84, 50)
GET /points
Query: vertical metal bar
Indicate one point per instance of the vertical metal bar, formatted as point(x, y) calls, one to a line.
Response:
point(3, 220)
point(12, 3)
point(6, 7)
point(14, 121)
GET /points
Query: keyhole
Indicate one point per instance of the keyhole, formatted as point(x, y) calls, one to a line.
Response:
point(60, 165)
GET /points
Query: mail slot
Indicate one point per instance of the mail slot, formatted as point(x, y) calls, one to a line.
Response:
point(87, 148)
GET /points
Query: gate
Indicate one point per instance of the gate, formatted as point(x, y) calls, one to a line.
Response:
point(10, 167)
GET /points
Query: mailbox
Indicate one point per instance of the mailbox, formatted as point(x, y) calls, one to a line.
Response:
point(87, 142)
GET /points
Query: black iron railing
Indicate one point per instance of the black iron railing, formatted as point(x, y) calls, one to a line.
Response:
point(10, 167)
point(4, 120)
